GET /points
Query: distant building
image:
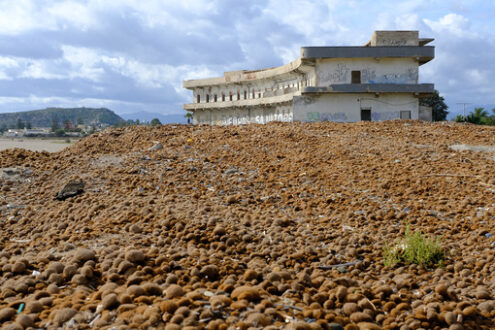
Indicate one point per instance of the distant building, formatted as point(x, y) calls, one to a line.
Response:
point(377, 81)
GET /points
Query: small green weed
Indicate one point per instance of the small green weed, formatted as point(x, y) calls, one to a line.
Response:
point(414, 248)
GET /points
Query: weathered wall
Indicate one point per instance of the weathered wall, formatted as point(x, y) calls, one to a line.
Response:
point(347, 107)
point(261, 88)
point(395, 38)
point(425, 113)
point(387, 71)
point(239, 116)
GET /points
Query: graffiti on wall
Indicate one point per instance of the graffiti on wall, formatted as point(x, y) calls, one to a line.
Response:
point(339, 75)
point(325, 116)
point(367, 75)
point(259, 119)
point(377, 116)
point(408, 77)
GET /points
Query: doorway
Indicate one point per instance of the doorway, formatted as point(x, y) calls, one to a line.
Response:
point(366, 114)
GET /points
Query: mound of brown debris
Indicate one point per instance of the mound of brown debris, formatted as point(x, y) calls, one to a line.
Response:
point(274, 226)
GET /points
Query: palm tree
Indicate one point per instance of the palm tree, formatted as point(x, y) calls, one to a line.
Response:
point(479, 116)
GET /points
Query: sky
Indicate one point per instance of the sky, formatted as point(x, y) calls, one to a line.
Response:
point(132, 55)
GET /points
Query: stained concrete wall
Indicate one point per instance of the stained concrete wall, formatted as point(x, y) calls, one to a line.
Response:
point(425, 113)
point(347, 107)
point(394, 38)
point(240, 116)
point(260, 88)
point(382, 71)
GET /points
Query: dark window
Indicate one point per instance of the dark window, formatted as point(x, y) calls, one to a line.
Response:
point(207, 98)
point(214, 97)
point(230, 96)
point(245, 95)
point(259, 94)
point(253, 93)
point(366, 114)
point(198, 98)
point(238, 95)
point(223, 97)
point(356, 77)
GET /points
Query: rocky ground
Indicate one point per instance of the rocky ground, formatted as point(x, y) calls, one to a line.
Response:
point(275, 226)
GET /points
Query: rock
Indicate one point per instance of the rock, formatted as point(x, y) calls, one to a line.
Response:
point(350, 308)
point(71, 189)
point(441, 289)
point(60, 316)
point(157, 146)
point(82, 255)
point(219, 230)
point(135, 256)
point(368, 326)
point(34, 307)
point(136, 229)
point(210, 272)
point(358, 317)
point(341, 293)
point(487, 306)
point(25, 321)
point(152, 289)
point(450, 318)
point(6, 314)
point(110, 301)
point(79, 279)
point(246, 292)
point(470, 311)
point(250, 275)
point(258, 319)
point(19, 267)
point(174, 291)
point(482, 293)
point(335, 326)
point(168, 306)
point(135, 291)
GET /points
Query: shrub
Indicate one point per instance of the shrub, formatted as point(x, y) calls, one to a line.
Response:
point(414, 248)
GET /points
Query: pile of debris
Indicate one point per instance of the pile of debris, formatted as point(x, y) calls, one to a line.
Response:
point(278, 225)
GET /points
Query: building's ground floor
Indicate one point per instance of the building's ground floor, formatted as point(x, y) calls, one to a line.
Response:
point(339, 107)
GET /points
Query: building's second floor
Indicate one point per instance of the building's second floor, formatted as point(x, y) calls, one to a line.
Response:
point(391, 57)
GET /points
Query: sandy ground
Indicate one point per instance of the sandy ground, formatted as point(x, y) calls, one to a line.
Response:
point(53, 145)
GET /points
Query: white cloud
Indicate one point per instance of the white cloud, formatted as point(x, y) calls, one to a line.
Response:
point(142, 50)
point(454, 24)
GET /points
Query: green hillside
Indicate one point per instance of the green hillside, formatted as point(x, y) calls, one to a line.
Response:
point(46, 117)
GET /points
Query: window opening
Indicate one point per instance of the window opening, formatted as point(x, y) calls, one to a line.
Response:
point(356, 77)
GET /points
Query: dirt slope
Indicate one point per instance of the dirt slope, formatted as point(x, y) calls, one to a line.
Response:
point(246, 226)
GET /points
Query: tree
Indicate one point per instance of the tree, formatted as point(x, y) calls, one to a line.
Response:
point(189, 117)
point(20, 124)
point(80, 121)
point(438, 106)
point(28, 125)
point(155, 122)
point(479, 117)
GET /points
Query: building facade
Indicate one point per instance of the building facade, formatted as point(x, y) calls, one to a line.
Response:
point(377, 81)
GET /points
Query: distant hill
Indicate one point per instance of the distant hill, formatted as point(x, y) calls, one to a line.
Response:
point(148, 116)
point(44, 118)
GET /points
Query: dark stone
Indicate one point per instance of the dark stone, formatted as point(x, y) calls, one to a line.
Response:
point(71, 189)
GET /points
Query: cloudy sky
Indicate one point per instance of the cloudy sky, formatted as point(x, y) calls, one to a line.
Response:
point(132, 55)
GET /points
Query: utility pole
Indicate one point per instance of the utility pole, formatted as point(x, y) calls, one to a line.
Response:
point(464, 109)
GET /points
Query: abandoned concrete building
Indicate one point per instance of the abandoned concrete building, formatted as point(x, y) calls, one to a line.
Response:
point(377, 81)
